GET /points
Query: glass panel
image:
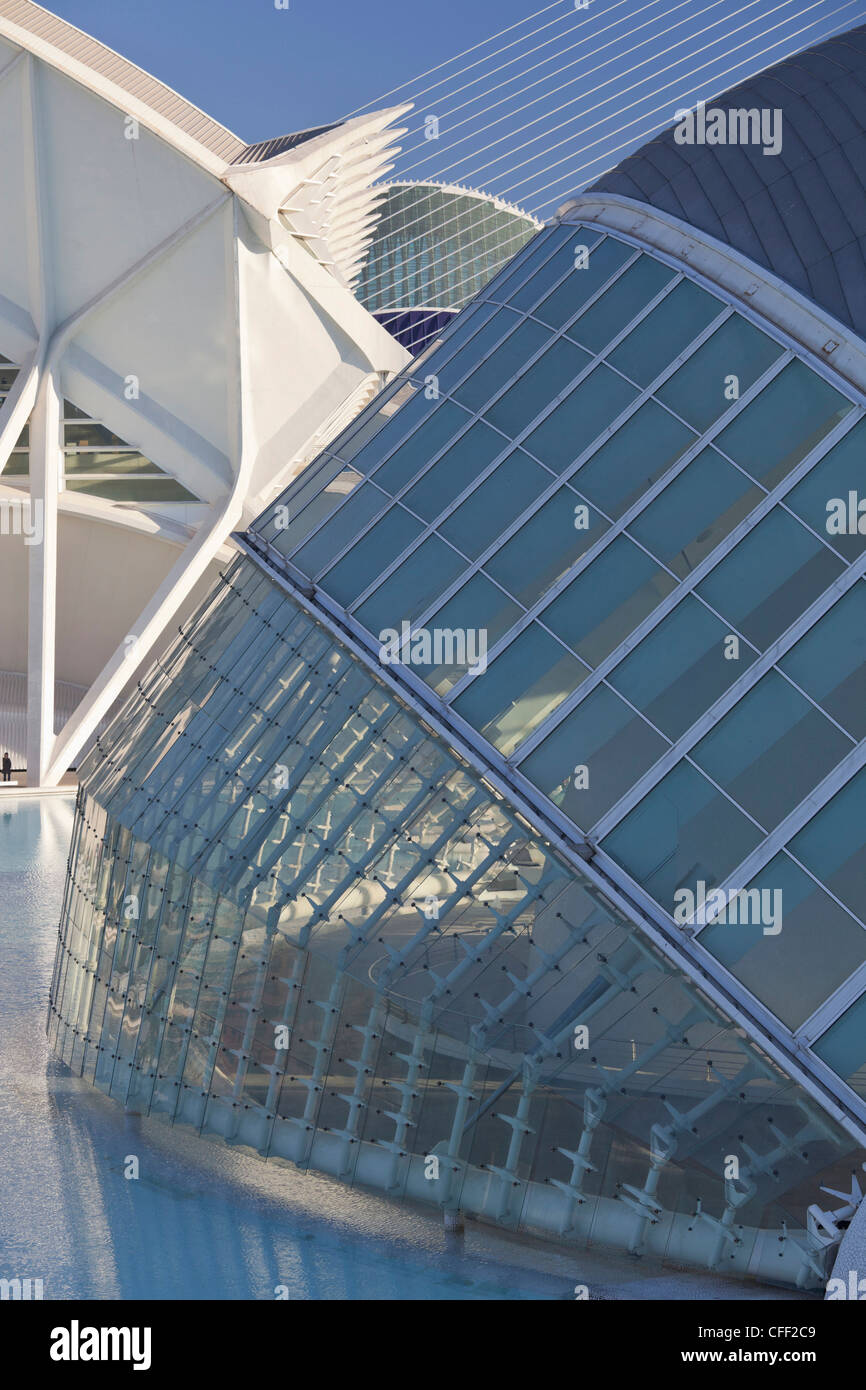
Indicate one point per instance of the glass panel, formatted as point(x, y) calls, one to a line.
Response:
point(432, 435)
point(695, 512)
point(604, 259)
point(590, 409)
point(495, 504)
point(592, 758)
point(126, 462)
point(640, 452)
point(833, 844)
point(771, 749)
point(364, 443)
point(792, 947)
point(683, 834)
point(90, 435)
point(291, 527)
point(679, 670)
point(361, 507)
point(768, 580)
point(482, 613)
point(697, 391)
point(473, 336)
point(436, 489)
point(542, 383)
point(830, 661)
point(783, 424)
point(843, 1047)
point(505, 362)
point(665, 333)
point(522, 687)
point(608, 600)
point(824, 498)
point(369, 556)
point(625, 299)
point(412, 587)
point(546, 546)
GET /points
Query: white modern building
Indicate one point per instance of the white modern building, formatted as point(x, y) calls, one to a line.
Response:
point(178, 337)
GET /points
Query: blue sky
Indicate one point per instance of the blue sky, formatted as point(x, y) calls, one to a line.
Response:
point(604, 78)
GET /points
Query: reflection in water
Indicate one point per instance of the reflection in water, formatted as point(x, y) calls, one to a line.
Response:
point(202, 1220)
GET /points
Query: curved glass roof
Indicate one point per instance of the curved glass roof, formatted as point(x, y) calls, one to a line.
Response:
point(595, 522)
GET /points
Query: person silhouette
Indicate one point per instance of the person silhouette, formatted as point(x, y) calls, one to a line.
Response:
point(7, 767)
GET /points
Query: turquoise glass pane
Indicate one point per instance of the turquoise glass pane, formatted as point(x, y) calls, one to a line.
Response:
point(585, 414)
point(482, 613)
point(417, 451)
point(625, 299)
point(592, 758)
point(413, 586)
point(833, 845)
point(495, 504)
point(506, 361)
point(682, 834)
point(793, 947)
point(462, 352)
point(843, 1047)
point(829, 663)
point(697, 391)
point(577, 285)
point(364, 504)
point(767, 581)
point(665, 333)
point(771, 749)
point(641, 451)
point(679, 669)
point(455, 470)
point(520, 689)
point(695, 512)
point(607, 601)
point(783, 424)
point(546, 546)
point(370, 555)
point(832, 497)
point(542, 383)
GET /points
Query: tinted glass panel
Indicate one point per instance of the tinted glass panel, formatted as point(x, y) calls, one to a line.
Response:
point(337, 533)
point(698, 390)
point(640, 452)
point(771, 749)
point(590, 409)
point(542, 383)
point(682, 834)
point(625, 299)
point(584, 277)
point(546, 546)
point(482, 613)
point(591, 759)
point(679, 670)
point(413, 586)
point(767, 580)
point(824, 497)
point(833, 845)
point(503, 363)
point(522, 687)
point(793, 948)
point(357, 569)
point(783, 424)
point(454, 471)
point(695, 512)
point(843, 1047)
point(495, 504)
point(665, 333)
point(604, 603)
point(830, 661)
point(420, 447)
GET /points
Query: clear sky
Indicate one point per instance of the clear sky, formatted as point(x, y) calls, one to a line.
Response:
point(604, 77)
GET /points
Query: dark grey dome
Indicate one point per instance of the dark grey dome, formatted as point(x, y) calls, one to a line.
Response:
point(801, 213)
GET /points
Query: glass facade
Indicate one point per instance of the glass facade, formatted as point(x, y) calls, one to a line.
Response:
point(587, 536)
point(296, 919)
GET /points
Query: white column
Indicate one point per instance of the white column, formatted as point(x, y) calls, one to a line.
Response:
point(46, 477)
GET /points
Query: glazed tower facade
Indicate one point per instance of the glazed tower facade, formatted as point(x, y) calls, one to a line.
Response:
point(491, 835)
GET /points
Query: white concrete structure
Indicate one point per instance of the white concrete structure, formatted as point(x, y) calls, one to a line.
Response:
point(194, 295)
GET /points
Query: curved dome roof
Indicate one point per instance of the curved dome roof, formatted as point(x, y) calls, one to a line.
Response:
point(802, 213)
